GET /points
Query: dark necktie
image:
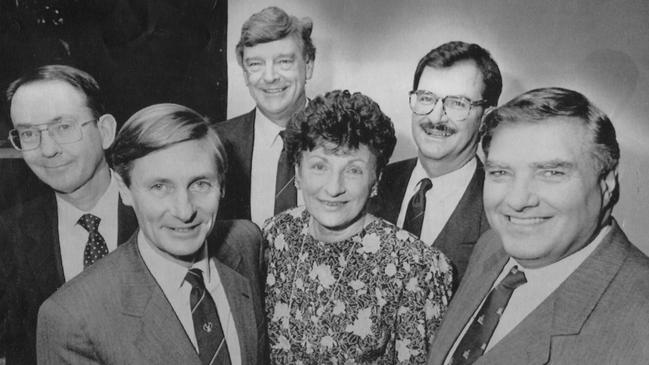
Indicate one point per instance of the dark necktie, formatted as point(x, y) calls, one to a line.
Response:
point(96, 246)
point(415, 212)
point(212, 348)
point(285, 192)
point(479, 333)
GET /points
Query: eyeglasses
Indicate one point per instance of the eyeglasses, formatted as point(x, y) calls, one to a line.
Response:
point(456, 108)
point(62, 132)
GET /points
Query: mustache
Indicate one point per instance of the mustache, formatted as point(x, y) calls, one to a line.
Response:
point(442, 127)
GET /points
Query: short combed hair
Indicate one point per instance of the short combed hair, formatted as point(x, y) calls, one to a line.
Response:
point(448, 54)
point(345, 120)
point(540, 105)
point(157, 127)
point(76, 78)
point(272, 24)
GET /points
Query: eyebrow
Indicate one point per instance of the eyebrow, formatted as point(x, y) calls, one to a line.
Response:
point(551, 164)
point(52, 121)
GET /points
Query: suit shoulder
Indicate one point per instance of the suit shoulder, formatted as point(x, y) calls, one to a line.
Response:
point(239, 122)
point(237, 233)
point(400, 167)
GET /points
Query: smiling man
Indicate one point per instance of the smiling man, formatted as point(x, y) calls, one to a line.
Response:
point(438, 195)
point(186, 288)
point(277, 56)
point(61, 128)
point(556, 281)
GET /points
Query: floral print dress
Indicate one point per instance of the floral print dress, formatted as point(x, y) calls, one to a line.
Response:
point(374, 298)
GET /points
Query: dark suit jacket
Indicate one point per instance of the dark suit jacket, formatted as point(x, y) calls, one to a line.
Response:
point(32, 238)
point(464, 226)
point(237, 135)
point(597, 316)
point(115, 312)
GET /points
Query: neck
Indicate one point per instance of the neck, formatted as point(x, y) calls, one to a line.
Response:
point(86, 197)
point(283, 118)
point(326, 234)
point(437, 168)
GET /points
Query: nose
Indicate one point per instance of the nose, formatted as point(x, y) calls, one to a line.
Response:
point(522, 195)
point(270, 75)
point(49, 147)
point(183, 206)
point(335, 184)
point(438, 113)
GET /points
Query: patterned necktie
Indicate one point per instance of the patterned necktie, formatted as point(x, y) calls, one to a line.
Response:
point(415, 212)
point(285, 192)
point(212, 348)
point(477, 337)
point(96, 246)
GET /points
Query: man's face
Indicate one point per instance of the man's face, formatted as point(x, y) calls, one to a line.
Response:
point(69, 167)
point(275, 74)
point(542, 193)
point(437, 137)
point(175, 195)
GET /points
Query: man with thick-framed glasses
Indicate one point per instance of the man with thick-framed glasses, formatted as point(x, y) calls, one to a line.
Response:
point(61, 130)
point(438, 195)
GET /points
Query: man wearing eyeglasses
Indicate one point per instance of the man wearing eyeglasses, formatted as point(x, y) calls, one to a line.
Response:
point(61, 129)
point(438, 195)
point(277, 55)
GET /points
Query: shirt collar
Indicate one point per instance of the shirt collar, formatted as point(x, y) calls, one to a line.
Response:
point(69, 214)
point(266, 131)
point(446, 183)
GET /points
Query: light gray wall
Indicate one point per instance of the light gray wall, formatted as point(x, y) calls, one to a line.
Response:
point(597, 47)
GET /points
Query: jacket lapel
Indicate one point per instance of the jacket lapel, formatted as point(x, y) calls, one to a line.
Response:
point(566, 310)
point(161, 337)
point(126, 222)
point(238, 292)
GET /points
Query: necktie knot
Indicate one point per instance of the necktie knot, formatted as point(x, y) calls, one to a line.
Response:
point(89, 222)
point(514, 279)
point(195, 278)
point(425, 184)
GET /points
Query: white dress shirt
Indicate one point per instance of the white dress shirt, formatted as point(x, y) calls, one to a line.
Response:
point(541, 282)
point(441, 199)
point(73, 237)
point(170, 276)
point(266, 149)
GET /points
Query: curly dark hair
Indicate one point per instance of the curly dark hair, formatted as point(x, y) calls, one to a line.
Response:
point(344, 119)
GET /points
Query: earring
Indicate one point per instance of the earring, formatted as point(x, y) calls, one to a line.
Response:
point(297, 186)
point(374, 192)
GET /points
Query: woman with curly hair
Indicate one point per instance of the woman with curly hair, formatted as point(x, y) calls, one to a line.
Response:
point(344, 286)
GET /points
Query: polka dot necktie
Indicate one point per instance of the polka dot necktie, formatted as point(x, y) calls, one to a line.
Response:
point(212, 348)
point(96, 247)
point(475, 340)
point(416, 208)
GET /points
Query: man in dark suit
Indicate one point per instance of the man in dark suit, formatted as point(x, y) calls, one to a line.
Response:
point(61, 129)
point(438, 195)
point(556, 281)
point(186, 289)
point(277, 56)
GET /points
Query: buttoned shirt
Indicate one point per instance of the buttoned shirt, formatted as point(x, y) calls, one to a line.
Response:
point(73, 237)
point(267, 147)
point(541, 282)
point(170, 276)
point(441, 199)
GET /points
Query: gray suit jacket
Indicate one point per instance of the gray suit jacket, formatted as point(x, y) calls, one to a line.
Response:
point(599, 315)
point(115, 312)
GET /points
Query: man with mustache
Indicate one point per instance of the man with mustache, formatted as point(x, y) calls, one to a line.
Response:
point(438, 195)
point(276, 55)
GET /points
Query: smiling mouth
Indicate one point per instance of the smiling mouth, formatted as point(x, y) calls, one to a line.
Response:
point(332, 204)
point(184, 229)
point(437, 130)
point(274, 90)
point(526, 221)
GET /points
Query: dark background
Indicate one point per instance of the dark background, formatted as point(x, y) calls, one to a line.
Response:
point(141, 52)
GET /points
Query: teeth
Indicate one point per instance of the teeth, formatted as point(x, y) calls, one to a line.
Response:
point(526, 221)
point(182, 229)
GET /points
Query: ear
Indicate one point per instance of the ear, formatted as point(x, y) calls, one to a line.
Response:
point(608, 184)
point(107, 128)
point(124, 191)
point(309, 69)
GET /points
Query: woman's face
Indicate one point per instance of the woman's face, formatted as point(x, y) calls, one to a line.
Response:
point(336, 184)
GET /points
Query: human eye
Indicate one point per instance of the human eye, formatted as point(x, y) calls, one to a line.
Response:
point(63, 128)
point(285, 63)
point(497, 174)
point(553, 174)
point(425, 97)
point(455, 103)
point(201, 186)
point(355, 170)
point(160, 188)
point(254, 65)
point(27, 134)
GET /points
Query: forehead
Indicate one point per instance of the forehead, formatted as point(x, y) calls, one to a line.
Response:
point(285, 46)
point(179, 162)
point(43, 101)
point(462, 78)
point(328, 150)
point(555, 139)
